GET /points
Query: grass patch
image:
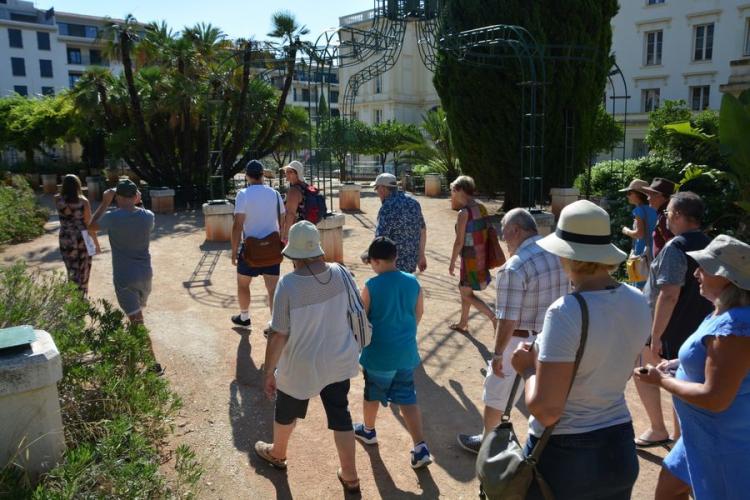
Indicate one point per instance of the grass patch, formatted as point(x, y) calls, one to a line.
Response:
point(21, 217)
point(116, 412)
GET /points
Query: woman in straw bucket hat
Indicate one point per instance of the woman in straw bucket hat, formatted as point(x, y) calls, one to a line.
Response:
point(644, 221)
point(311, 351)
point(710, 384)
point(593, 428)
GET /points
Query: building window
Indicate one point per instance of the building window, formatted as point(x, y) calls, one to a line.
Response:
point(18, 65)
point(21, 90)
point(73, 79)
point(640, 148)
point(96, 57)
point(74, 56)
point(654, 2)
point(378, 116)
point(48, 90)
point(747, 37)
point(379, 84)
point(699, 97)
point(79, 30)
point(653, 47)
point(306, 95)
point(649, 100)
point(24, 18)
point(42, 40)
point(703, 42)
point(45, 68)
point(294, 93)
point(15, 39)
point(334, 97)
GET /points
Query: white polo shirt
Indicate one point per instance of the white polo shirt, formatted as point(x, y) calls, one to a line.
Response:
point(261, 206)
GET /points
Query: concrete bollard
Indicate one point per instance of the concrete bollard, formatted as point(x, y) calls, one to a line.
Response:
point(219, 218)
point(332, 237)
point(49, 183)
point(349, 196)
point(562, 197)
point(162, 201)
point(31, 434)
point(545, 222)
point(94, 188)
point(433, 185)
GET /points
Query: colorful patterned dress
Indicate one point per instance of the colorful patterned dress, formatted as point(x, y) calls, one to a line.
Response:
point(474, 272)
point(72, 247)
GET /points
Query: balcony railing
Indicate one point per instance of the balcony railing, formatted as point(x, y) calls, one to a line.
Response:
point(88, 61)
point(357, 18)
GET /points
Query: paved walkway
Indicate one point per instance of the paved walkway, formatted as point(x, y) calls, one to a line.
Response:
point(217, 369)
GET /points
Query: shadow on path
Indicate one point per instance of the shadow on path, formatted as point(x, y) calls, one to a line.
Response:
point(387, 487)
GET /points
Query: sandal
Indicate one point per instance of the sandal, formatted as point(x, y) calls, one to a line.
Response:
point(458, 328)
point(263, 450)
point(351, 487)
point(645, 443)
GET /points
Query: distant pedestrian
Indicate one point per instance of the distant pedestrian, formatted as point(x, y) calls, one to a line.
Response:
point(472, 245)
point(258, 214)
point(658, 198)
point(394, 304)
point(311, 351)
point(303, 200)
point(644, 222)
point(400, 219)
point(710, 384)
point(74, 212)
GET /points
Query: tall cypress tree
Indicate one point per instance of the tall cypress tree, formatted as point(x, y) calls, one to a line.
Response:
point(483, 104)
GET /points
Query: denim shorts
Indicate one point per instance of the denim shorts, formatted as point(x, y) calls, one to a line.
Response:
point(596, 465)
point(335, 402)
point(395, 386)
point(246, 270)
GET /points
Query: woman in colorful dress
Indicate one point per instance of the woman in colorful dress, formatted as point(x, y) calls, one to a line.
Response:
point(710, 384)
point(471, 245)
point(74, 212)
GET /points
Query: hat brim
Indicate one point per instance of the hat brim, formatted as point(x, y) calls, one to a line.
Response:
point(637, 190)
point(648, 191)
point(607, 254)
point(297, 254)
point(715, 267)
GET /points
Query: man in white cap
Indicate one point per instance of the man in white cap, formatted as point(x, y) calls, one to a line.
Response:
point(400, 219)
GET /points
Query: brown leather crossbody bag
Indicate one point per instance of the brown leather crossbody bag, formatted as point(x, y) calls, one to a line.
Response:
point(264, 252)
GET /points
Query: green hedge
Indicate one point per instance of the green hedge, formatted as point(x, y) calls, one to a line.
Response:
point(21, 217)
point(116, 411)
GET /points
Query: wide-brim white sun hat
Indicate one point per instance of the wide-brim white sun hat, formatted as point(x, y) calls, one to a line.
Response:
point(304, 242)
point(727, 257)
point(583, 233)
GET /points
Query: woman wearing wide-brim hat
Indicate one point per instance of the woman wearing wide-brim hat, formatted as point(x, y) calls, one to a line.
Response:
point(644, 221)
point(594, 431)
point(710, 383)
point(311, 351)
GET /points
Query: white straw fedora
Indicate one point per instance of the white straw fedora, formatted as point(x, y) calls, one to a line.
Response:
point(728, 257)
point(584, 234)
point(304, 242)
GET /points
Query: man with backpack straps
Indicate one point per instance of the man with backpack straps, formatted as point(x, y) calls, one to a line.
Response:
point(303, 201)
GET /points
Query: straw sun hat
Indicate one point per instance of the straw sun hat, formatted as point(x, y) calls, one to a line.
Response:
point(727, 257)
point(583, 233)
point(304, 242)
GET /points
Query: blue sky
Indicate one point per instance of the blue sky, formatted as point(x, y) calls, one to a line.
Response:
point(249, 19)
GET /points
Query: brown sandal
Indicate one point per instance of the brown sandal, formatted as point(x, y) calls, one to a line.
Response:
point(351, 487)
point(263, 450)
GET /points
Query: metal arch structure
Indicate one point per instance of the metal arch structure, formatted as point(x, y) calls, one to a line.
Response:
point(616, 97)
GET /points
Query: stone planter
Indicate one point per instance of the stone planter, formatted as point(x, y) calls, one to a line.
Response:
point(94, 188)
point(162, 201)
point(562, 197)
point(332, 237)
point(219, 219)
point(32, 430)
point(433, 185)
point(545, 222)
point(349, 195)
point(49, 183)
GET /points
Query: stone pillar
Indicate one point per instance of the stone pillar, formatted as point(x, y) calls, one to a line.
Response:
point(349, 196)
point(31, 433)
point(545, 222)
point(219, 219)
point(94, 188)
point(562, 197)
point(49, 183)
point(739, 79)
point(332, 237)
point(433, 185)
point(162, 201)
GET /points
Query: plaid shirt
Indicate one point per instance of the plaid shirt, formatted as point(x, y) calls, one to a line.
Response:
point(528, 283)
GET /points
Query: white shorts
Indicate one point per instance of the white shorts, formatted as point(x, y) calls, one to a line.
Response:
point(496, 389)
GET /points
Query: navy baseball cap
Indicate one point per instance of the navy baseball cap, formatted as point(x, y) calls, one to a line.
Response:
point(254, 168)
point(126, 188)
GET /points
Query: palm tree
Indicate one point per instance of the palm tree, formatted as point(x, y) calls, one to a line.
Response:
point(443, 156)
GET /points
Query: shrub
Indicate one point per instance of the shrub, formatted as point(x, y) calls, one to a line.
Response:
point(21, 217)
point(116, 412)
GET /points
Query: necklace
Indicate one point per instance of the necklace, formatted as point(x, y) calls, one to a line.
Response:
point(316, 277)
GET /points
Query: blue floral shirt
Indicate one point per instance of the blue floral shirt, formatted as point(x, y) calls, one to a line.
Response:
point(400, 219)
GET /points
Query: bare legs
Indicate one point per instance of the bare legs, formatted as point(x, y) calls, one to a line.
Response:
point(411, 414)
point(468, 299)
point(243, 290)
point(491, 418)
point(670, 487)
point(651, 399)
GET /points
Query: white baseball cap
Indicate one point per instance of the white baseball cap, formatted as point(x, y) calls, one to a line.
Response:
point(385, 179)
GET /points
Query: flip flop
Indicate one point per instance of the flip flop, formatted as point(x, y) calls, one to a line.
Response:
point(263, 450)
point(457, 328)
point(645, 443)
point(351, 487)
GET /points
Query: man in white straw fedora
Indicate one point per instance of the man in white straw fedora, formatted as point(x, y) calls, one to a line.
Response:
point(592, 425)
point(311, 351)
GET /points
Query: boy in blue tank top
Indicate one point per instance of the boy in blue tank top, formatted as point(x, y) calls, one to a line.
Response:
point(394, 304)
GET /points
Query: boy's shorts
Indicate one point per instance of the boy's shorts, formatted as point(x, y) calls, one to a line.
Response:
point(133, 296)
point(395, 386)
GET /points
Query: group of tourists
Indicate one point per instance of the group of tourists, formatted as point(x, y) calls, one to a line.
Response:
point(565, 331)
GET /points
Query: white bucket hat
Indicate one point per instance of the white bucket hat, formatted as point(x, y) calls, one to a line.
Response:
point(298, 168)
point(584, 234)
point(304, 242)
point(727, 257)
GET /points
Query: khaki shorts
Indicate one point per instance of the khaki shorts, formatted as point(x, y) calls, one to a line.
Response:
point(133, 296)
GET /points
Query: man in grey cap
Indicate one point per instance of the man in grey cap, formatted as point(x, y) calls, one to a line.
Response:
point(400, 219)
point(129, 228)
